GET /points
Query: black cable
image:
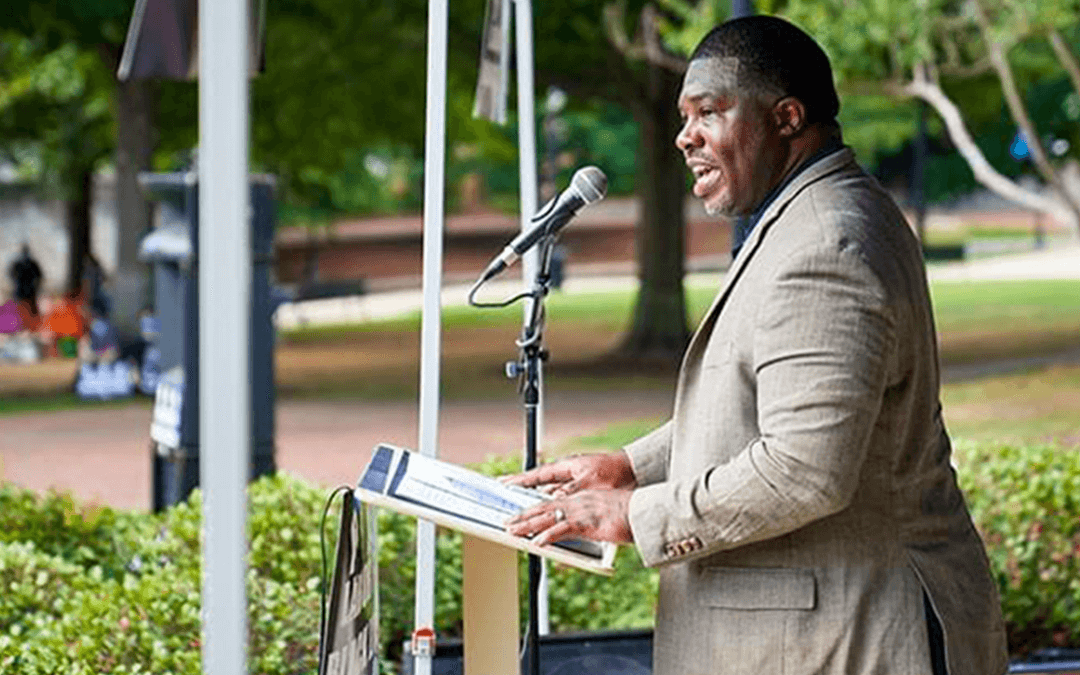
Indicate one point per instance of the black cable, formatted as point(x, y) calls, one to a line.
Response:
point(322, 549)
point(547, 245)
point(502, 303)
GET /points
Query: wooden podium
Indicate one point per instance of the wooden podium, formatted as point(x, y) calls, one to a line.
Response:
point(490, 611)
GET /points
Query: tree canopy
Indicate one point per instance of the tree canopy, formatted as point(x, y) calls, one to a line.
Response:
point(968, 61)
point(55, 108)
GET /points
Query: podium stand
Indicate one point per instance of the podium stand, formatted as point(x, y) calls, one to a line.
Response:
point(489, 555)
point(489, 608)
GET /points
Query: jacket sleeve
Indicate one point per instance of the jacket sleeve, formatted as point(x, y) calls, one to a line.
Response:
point(649, 455)
point(822, 339)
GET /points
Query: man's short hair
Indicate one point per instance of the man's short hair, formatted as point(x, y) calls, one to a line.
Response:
point(776, 55)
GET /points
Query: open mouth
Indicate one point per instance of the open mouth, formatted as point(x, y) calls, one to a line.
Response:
point(706, 179)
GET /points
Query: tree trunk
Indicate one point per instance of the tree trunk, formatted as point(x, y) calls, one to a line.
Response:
point(134, 148)
point(659, 329)
point(1066, 58)
point(77, 212)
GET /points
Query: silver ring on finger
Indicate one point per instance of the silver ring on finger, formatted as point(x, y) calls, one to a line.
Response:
point(560, 515)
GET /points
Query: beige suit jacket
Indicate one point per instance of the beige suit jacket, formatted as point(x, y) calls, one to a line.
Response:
point(802, 497)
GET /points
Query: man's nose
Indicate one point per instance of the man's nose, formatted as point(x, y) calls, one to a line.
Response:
point(686, 137)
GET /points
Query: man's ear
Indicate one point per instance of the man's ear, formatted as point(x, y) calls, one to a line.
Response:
point(789, 113)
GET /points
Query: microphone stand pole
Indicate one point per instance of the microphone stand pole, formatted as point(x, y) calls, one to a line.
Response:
point(527, 369)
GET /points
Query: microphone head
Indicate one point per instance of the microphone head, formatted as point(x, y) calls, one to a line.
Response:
point(590, 182)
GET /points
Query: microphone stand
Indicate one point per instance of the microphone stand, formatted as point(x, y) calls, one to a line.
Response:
point(527, 371)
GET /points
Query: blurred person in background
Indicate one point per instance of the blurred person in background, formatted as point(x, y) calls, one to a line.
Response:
point(25, 274)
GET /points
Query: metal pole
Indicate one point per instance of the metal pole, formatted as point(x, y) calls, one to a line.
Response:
point(434, 188)
point(526, 100)
point(224, 259)
point(504, 60)
point(526, 128)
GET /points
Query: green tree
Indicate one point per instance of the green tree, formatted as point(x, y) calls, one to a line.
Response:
point(55, 112)
point(589, 52)
point(984, 53)
point(934, 50)
point(105, 120)
point(344, 75)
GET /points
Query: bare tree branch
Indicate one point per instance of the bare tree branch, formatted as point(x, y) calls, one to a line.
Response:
point(895, 62)
point(646, 46)
point(953, 62)
point(1066, 56)
point(654, 48)
point(923, 87)
point(951, 49)
point(980, 67)
point(614, 29)
point(952, 23)
point(1018, 110)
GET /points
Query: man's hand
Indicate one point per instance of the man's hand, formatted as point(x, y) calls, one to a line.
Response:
point(600, 515)
point(607, 471)
point(592, 498)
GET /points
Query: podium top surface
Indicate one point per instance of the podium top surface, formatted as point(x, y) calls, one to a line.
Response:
point(464, 500)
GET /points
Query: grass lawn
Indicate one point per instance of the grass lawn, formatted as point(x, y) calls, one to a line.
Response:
point(379, 360)
point(980, 321)
point(1041, 406)
point(1037, 407)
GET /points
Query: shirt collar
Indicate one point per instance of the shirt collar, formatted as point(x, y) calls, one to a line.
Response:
point(744, 226)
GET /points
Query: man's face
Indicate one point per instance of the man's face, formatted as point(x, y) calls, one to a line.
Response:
point(729, 140)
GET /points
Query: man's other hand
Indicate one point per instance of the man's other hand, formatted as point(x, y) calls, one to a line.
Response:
point(605, 471)
point(600, 515)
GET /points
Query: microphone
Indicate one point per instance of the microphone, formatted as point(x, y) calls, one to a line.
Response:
point(588, 185)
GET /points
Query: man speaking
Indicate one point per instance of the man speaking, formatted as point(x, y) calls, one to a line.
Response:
point(801, 503)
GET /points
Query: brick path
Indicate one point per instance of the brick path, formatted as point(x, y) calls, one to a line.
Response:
point(103, 455)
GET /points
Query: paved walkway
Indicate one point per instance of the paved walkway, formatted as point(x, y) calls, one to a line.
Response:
point(103, 455)
point(1054, 263)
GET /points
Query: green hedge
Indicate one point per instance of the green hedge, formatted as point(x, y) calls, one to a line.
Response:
point(87, 589)
point(93, 590)
point(1026, 503)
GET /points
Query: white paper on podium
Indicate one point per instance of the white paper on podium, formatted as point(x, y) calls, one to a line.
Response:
point(459, 493)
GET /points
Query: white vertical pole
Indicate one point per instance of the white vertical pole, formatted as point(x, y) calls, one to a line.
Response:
point(530, 267)
point(526, 125)
point(434, 188)
point(224, 320)
point(504, 60)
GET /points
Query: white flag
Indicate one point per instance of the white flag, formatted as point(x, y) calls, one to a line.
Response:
point(491, 83)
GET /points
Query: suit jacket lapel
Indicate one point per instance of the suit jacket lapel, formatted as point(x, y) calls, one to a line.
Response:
point(819, 170)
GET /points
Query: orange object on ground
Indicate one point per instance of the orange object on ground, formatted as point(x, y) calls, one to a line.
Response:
point(66, 319)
